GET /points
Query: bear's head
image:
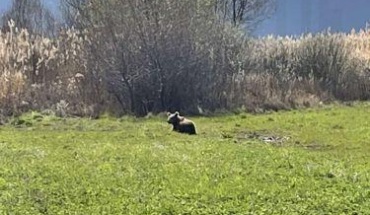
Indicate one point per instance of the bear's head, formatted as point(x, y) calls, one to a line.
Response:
point(173, 118)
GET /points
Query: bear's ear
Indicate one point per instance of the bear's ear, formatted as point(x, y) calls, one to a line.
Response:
point(168, 113)
point(177, 113)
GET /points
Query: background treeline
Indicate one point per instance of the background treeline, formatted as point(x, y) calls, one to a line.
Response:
point(141, 56)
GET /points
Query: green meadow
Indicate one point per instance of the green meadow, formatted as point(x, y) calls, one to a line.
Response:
point(313, 161)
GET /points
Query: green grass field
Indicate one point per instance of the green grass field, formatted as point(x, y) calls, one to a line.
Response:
point(314, 161)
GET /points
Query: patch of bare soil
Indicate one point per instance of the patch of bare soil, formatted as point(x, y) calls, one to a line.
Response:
point(276, 140)
point(264, 137)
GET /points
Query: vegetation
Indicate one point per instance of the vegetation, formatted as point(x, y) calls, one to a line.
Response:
point(31, 15)
point(297, 162)
point(38, 73)
point(140, 57)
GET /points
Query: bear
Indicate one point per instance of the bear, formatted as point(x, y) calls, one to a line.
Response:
point(180, 123)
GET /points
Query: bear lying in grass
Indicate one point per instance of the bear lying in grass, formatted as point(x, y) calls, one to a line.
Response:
point(180, 123)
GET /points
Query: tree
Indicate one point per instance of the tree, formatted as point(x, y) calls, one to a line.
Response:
point(32, 15)
point(248, 13)
point(73, 12)
point(157, 55)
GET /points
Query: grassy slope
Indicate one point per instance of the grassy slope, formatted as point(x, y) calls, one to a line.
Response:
point(129, 166)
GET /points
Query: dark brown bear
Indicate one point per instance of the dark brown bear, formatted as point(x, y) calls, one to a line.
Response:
point(181, 124)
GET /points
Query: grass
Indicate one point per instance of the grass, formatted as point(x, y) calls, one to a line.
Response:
point(313, 161)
